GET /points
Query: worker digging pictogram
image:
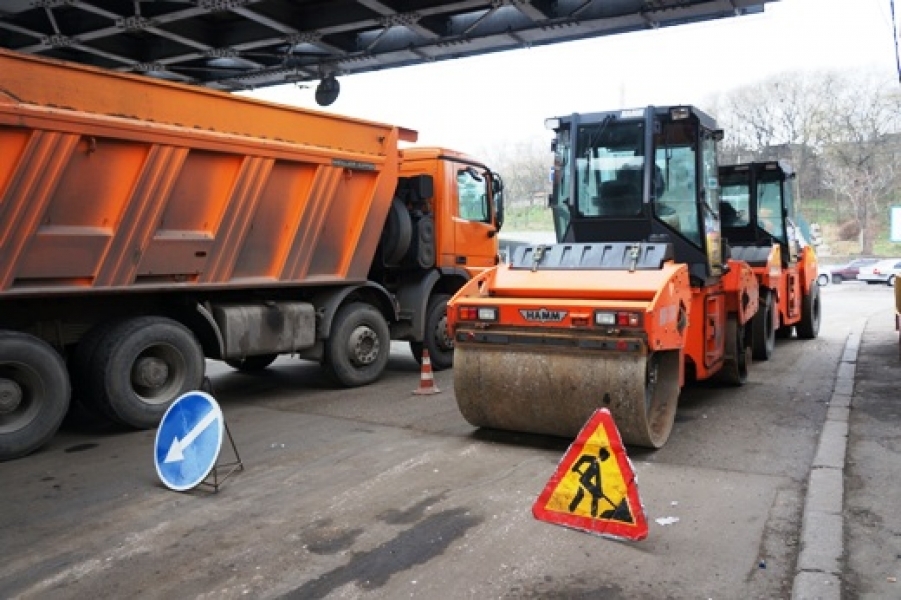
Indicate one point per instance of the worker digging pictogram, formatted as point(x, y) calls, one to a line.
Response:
point(594, 487)
point(591, 482)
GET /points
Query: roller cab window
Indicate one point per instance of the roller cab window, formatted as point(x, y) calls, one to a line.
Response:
point(676, 160)
point(769, 208)
point(609, 170)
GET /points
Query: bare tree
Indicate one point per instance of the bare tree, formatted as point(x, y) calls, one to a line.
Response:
point(861, 148)
point(525, 167)
point(780, 118)
point(838, 130)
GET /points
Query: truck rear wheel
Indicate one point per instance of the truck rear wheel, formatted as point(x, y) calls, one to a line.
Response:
point(764, 328)
point(809, 326)
point(34, 393)
point(82, 410)
point(359, 346)
point(140, 366)
point(437, 340)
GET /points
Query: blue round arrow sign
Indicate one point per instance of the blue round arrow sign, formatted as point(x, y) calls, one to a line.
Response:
point(188, 440)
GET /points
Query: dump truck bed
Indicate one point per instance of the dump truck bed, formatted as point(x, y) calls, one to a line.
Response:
point(160, 186)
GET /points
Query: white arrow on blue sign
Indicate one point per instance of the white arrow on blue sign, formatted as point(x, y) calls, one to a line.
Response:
point(188, 440)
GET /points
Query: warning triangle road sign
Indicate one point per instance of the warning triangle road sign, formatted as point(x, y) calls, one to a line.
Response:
point(594, 488)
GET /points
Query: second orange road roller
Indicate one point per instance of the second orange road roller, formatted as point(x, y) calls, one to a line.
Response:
point(636, 297)
point(760, 222)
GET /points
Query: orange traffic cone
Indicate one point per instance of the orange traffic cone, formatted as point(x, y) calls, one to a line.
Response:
point(426, 380)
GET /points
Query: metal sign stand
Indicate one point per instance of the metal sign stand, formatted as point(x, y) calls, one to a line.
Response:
point(222, 471)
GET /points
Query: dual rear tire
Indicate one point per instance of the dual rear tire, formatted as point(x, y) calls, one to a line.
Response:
point(34, 393)
point(130, 371)
point(127, 372)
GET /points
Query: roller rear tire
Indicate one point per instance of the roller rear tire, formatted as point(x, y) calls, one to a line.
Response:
point(809, 326)
point(764, 328)
point(735, 362)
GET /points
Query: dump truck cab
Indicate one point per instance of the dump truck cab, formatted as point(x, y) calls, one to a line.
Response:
point(761, 226)
point(466, 208)
point(641, 174)
point(440, 232)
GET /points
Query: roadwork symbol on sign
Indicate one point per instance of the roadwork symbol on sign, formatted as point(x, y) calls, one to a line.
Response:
point(188, 440)
point(594, 487)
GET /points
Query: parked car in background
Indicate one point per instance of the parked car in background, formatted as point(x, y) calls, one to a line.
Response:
point(884, 271)
point(849, 271)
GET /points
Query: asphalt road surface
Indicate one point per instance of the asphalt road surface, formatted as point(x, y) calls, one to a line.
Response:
point(377, 492)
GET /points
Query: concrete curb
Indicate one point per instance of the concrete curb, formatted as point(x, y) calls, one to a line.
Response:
point(818, 575)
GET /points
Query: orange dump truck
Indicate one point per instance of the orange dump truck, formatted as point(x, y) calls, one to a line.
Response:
point(146, 226)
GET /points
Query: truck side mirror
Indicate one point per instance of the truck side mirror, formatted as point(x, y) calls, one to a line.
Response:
point(497, 188)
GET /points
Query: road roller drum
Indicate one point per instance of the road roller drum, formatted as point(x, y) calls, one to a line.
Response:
point(553, 391)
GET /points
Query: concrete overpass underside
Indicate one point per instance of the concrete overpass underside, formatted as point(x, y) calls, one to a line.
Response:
point(244, 44)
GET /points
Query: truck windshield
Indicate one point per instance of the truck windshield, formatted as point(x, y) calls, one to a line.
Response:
point(472, 193)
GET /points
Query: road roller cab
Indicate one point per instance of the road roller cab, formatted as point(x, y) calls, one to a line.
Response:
point(635, 298)
point(762, 228)
point(640, 175)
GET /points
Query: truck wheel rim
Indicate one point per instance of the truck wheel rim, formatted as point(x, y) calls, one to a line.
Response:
point(363, 346)
point(20, 396)
point(158, 373)
point(445, 341)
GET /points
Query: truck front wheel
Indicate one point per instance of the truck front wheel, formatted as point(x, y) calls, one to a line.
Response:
point(359, 346)
point(140, 366)
point(34, 393)
point(437, 340)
